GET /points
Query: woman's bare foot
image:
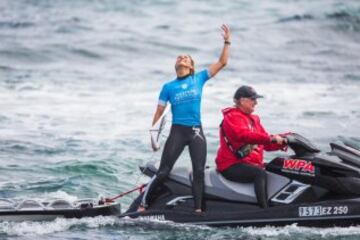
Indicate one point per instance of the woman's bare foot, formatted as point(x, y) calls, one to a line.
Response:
point(141, 209)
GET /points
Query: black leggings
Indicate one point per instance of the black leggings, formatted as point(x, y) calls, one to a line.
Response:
point(181, 136)
point(245, 173)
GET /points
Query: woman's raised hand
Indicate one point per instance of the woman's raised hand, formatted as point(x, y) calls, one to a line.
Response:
point(225, 32)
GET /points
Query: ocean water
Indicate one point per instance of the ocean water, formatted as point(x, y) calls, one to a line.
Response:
point(79, 82)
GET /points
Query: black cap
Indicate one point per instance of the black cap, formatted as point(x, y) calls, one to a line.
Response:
point(246, 92)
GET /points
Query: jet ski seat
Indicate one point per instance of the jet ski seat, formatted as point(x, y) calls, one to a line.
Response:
point(219, 187)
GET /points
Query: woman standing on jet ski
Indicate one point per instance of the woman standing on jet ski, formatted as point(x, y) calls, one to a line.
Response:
point(184, 94)
point(242, 143)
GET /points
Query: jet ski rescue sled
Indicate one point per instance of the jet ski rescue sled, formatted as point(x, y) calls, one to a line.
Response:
point(309, 188)
point(34, 210)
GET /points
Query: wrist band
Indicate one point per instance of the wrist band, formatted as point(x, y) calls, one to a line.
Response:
point(227, 42)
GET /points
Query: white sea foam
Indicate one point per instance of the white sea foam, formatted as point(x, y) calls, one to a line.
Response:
point(58, 225)
point(158, 223)
point(293, 230)
point(59, 195)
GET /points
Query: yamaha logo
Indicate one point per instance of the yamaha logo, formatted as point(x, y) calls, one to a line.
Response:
point(184, 86)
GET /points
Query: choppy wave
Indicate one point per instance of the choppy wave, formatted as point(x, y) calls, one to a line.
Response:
point(346, 15)
point(26, 148)
point(293, 231)
point(296, 18)
point(58, 225)
point(353, 77)
point(15, 24)
point(318, 113)
point(345, 19)
point(26, 55)
point(109, 223)
point(348, 19)
point(125, 228)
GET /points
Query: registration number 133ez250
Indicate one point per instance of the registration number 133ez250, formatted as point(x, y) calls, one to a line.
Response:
point(315, 211)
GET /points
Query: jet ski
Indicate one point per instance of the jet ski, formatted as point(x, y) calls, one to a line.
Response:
point(309, 188)
point(16, 210)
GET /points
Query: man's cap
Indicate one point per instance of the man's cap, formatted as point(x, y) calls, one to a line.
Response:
point(246, 92)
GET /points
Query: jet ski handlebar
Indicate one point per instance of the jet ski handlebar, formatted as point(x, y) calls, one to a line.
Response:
point(300, 145)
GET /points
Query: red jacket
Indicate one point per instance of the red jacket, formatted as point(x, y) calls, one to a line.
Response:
point(241, 129)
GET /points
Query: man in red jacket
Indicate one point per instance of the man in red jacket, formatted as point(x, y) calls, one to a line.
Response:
point(242, 143)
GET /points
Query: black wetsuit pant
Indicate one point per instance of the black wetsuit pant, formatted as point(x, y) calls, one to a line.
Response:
point(245, 173)
point(181, 136)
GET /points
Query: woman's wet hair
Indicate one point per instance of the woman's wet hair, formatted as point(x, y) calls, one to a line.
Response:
point(192, 71)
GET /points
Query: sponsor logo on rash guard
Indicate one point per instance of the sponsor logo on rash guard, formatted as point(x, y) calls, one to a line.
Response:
point(185, 96)
point(298, 166)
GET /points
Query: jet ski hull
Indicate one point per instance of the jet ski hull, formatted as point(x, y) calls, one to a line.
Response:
point(218, 213)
